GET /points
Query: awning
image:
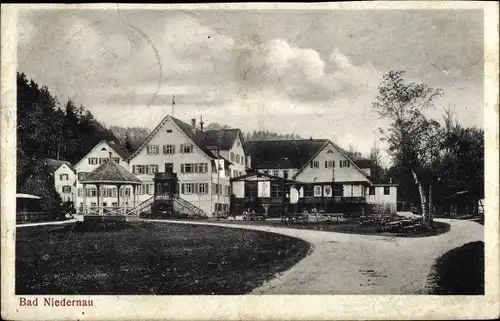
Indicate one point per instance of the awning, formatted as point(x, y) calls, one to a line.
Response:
point(28, 196)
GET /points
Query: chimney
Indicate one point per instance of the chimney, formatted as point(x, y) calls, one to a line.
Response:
point(193, 124)
point(201, 123)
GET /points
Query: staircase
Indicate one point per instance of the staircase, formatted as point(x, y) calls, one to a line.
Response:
point(183, 207)
point(145, 207)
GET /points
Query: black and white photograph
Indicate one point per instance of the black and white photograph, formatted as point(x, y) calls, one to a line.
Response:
point(235, 151)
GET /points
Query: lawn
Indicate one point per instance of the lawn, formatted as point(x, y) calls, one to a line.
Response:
point(149, 258)
point(460, 271)
point(347, 227)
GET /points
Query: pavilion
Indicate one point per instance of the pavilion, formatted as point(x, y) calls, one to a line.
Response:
point(111, 173)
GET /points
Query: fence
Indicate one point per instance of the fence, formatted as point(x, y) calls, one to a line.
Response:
point(36, 217)
point(385, 208)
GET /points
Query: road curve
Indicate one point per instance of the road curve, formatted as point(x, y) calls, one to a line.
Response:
point(361, 264)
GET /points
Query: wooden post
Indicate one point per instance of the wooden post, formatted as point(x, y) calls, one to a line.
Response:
point(84, 199)
point(118, 195)
point(99, 207)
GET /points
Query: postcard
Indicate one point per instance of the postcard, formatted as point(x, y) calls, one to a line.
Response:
point(322, 161)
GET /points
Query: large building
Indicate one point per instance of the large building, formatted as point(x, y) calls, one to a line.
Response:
point(204, 162)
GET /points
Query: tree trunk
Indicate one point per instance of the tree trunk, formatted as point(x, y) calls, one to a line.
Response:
point(429, 219)
point(423, 200)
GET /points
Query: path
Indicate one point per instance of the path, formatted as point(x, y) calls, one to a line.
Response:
point(362, 264)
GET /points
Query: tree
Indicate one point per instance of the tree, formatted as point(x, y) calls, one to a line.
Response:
point(411, 136)
point(128, 143)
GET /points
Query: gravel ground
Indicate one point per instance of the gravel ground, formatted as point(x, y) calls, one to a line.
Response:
point(363, 264)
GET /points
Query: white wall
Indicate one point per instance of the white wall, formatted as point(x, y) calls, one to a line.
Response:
point(322, 174)
point(380, 198)
point(58, 183)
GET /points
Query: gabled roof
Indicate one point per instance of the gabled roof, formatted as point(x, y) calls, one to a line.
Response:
point(207, 141)
point(364, 163)
point(54, 164)
point(111, 144)
point(271, 154)
point(197, 136)
point(223, 138)
point(111, 172)
point(120, 150)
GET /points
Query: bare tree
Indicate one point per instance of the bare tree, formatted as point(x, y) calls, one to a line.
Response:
point(411, 135)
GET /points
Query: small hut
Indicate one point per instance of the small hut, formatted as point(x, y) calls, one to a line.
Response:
point(111, 173)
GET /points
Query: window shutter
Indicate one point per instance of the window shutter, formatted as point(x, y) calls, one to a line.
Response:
point(164, 149)
point(326, 164)
point(173, 149)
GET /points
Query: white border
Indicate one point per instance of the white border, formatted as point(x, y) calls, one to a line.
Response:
point(258, 307)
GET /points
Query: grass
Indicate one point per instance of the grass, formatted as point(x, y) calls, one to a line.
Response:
point(149, 258)
point(460, 271)
point(349, 227)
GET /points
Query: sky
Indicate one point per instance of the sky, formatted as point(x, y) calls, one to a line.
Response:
point(310, 72)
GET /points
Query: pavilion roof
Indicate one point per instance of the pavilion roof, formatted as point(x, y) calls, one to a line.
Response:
point(111, 173)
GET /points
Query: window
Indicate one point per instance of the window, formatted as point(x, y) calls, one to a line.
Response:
point(93, 192)
point(202, 188)
point(80, 192)
point(318, 191)
point(114, 192)
point(251, 189)
point(194, 168)
point(152, 169)
point(168, 149)
point(169, 130)
point(276, 172)
point(63, 177)
point(66, 189)
point(314, 164)
point(103, 160)
point(226, 190)
point(93, 204)
point(330, 164)
point(237, 159)
point(104, 204)
point(139, 169)
point(277, 190)
point(232, 157)
point(285, 173)
point(114, 204)
point(140, 190)
point(344, 163)
point(117, 160)
point(93, 160)
point(387, 190)
point(81, 175)
point(152, 149)
point(187, 188)
point(372, 190)
point(186, 148)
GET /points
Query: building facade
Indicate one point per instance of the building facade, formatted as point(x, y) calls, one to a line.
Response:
point(201, 159)
point(64, 179)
